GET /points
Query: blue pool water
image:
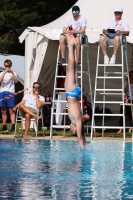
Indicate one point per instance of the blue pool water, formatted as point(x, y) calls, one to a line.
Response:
point(59, 170)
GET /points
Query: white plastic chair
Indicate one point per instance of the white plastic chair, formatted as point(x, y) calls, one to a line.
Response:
point(21, 119)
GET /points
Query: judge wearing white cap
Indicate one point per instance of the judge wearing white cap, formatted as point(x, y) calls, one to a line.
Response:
point(120, 27)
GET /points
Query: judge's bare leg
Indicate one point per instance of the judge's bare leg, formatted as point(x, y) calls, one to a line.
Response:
point(74, 110)
point(103, 44)
point(63, 46)
point(28, 111)
point(116, 44)
point(27, 125)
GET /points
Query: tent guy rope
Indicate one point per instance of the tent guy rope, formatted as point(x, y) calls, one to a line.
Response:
point(14, 94)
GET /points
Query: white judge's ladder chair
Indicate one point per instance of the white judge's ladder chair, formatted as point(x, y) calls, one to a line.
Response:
point(84, 51)
point(106, 92)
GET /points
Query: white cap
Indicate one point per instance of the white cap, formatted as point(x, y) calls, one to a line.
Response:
point(118, 9)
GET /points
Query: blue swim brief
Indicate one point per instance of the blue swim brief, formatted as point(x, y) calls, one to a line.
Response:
point(76, 92)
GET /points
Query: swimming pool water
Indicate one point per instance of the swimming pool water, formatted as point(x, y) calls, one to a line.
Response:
point(59, 170)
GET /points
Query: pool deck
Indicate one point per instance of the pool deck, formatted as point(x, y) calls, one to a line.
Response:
point(10, 136)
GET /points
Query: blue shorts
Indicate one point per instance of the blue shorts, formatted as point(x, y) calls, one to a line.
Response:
point(8, 102)
point(76, 92)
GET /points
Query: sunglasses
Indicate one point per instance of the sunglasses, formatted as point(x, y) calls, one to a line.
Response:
point(8, 66)
point(75, 11)
point(36, 87)
point(117, 13)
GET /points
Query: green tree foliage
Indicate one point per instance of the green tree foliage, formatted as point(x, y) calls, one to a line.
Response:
point(20, 14)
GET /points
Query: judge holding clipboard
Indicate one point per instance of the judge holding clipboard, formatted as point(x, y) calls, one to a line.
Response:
point(112, 33)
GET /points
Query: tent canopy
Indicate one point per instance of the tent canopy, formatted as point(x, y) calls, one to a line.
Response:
point(41, 43)
point(97, 14)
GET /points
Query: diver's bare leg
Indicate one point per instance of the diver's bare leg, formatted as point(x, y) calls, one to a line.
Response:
point(70, 72)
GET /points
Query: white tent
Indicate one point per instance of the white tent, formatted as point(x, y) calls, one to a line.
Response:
point(41, 43)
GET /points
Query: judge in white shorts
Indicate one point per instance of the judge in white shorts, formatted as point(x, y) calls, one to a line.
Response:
point(121, 27)
point(76, 25)
point(30, 105)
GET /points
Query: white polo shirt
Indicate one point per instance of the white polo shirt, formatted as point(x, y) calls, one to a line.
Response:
point(7, 83)
point(76, 24)
point(31, 100)
point(120, 25)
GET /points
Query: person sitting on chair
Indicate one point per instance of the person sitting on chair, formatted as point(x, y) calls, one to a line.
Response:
point(73, 92)
point(121, 27)
point(29, 106)
point(128, 111)
point(76, 25)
